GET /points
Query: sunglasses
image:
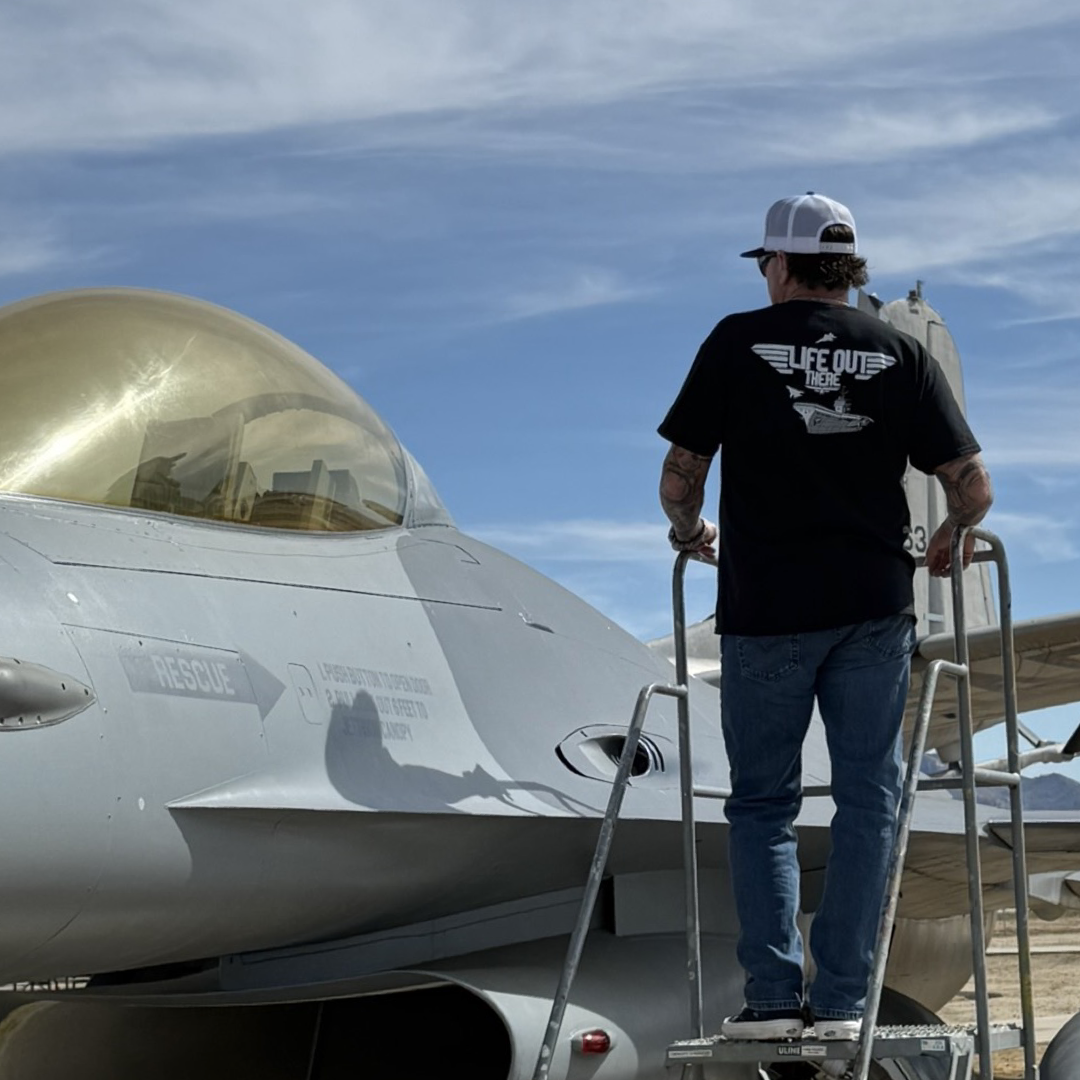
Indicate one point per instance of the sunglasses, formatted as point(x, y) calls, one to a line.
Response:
point(763, 261)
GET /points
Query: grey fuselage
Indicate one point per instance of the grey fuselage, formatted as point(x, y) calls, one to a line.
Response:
point(297, 737)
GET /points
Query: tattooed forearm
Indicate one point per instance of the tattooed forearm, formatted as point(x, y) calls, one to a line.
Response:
point(682, 489)
point(967, 490)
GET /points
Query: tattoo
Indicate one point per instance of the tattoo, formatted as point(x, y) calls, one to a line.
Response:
point(967, 489)
point(682, 489)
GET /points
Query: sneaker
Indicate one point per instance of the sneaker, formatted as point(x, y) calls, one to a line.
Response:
point(834, 1030)
point(764, 1024)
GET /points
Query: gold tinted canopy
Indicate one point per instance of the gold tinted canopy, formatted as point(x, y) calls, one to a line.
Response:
point(159, 402)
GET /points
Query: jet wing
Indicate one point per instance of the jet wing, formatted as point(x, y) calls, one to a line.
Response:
point(936, 878)
point(1048, 670)
point(1048, 673)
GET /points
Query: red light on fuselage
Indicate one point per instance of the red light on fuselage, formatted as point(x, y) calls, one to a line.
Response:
point(592, 1042)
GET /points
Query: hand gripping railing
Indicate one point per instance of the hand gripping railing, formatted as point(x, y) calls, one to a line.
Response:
point(680, 692)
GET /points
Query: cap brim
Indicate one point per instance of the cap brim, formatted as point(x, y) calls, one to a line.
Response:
point(753, 254)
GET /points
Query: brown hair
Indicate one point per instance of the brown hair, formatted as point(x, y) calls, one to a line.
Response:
point(830, 271)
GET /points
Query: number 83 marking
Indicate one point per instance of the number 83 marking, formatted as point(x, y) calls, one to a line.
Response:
point(915, 539)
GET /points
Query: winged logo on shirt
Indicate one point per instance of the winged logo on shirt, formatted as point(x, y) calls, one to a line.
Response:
point(872, 363)
point(780, 356)
point(822, 369)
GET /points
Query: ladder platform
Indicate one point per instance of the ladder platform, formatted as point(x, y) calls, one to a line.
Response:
point(890, 1041)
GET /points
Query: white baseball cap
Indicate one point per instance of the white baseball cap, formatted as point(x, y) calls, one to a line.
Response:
point(795, 225)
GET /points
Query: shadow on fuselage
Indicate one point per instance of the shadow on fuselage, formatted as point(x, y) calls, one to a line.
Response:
point(362, 768)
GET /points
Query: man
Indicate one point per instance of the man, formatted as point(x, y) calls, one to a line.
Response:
point(819, 408)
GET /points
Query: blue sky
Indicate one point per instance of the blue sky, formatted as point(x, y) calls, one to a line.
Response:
point(510, 225)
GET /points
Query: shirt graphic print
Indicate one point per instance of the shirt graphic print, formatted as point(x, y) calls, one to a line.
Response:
point(822, 368)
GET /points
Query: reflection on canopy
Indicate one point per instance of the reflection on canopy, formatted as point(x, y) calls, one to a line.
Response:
point(159, 402)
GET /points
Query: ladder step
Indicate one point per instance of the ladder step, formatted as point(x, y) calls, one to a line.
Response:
point(890, 1041)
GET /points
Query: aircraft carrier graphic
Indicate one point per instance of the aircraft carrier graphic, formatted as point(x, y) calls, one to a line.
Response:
point(820, 420)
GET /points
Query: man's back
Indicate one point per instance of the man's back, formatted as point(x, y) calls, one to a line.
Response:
point(818, 408)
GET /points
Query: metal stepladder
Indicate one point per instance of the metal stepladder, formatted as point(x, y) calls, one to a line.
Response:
point(957, 1045)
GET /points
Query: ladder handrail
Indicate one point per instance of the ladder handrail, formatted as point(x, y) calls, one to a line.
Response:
point(680, 691)
point(971, 821)
point(896, 863)
point(596, 873)
point(1016, 806)
point(686, 791)
point(971, 776)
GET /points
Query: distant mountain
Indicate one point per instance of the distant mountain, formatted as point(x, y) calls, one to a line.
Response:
point(1050, 791)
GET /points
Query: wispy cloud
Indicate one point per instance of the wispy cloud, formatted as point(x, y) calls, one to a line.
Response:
point(1055, 446)
point(23, 252)
point(967, 217)
point(1049, 539)
point(122, 72)
point(1055, 483)
point(580, 540)
point(581, 289)
point(700, 128)
point(1030, 425)
point(894, 128)
point(257, 201)
point(1050, 298)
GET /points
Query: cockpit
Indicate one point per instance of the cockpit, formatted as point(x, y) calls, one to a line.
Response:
point(163, 403)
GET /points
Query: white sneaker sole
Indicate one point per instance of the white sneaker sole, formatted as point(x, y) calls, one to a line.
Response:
point(837, 1030)
point(763, 1030)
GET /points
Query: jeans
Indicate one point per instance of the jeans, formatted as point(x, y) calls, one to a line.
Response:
point(859, 675)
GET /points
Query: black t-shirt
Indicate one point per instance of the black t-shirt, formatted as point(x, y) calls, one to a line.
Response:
point(818, 408)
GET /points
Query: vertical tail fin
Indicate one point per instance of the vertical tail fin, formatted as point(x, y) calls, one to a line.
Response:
point(926, 499)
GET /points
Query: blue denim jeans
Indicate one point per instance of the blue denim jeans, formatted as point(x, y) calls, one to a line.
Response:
point(859, 677)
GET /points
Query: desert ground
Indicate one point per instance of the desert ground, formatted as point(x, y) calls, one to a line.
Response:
point(1055, 967)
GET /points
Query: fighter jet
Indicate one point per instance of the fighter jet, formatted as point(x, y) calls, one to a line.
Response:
point(301, 781)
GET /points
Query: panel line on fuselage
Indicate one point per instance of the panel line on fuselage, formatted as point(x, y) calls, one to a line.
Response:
point(280, 584)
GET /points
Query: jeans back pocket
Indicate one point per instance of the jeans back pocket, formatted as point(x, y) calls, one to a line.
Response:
point(891, 637)
point(765, 659)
